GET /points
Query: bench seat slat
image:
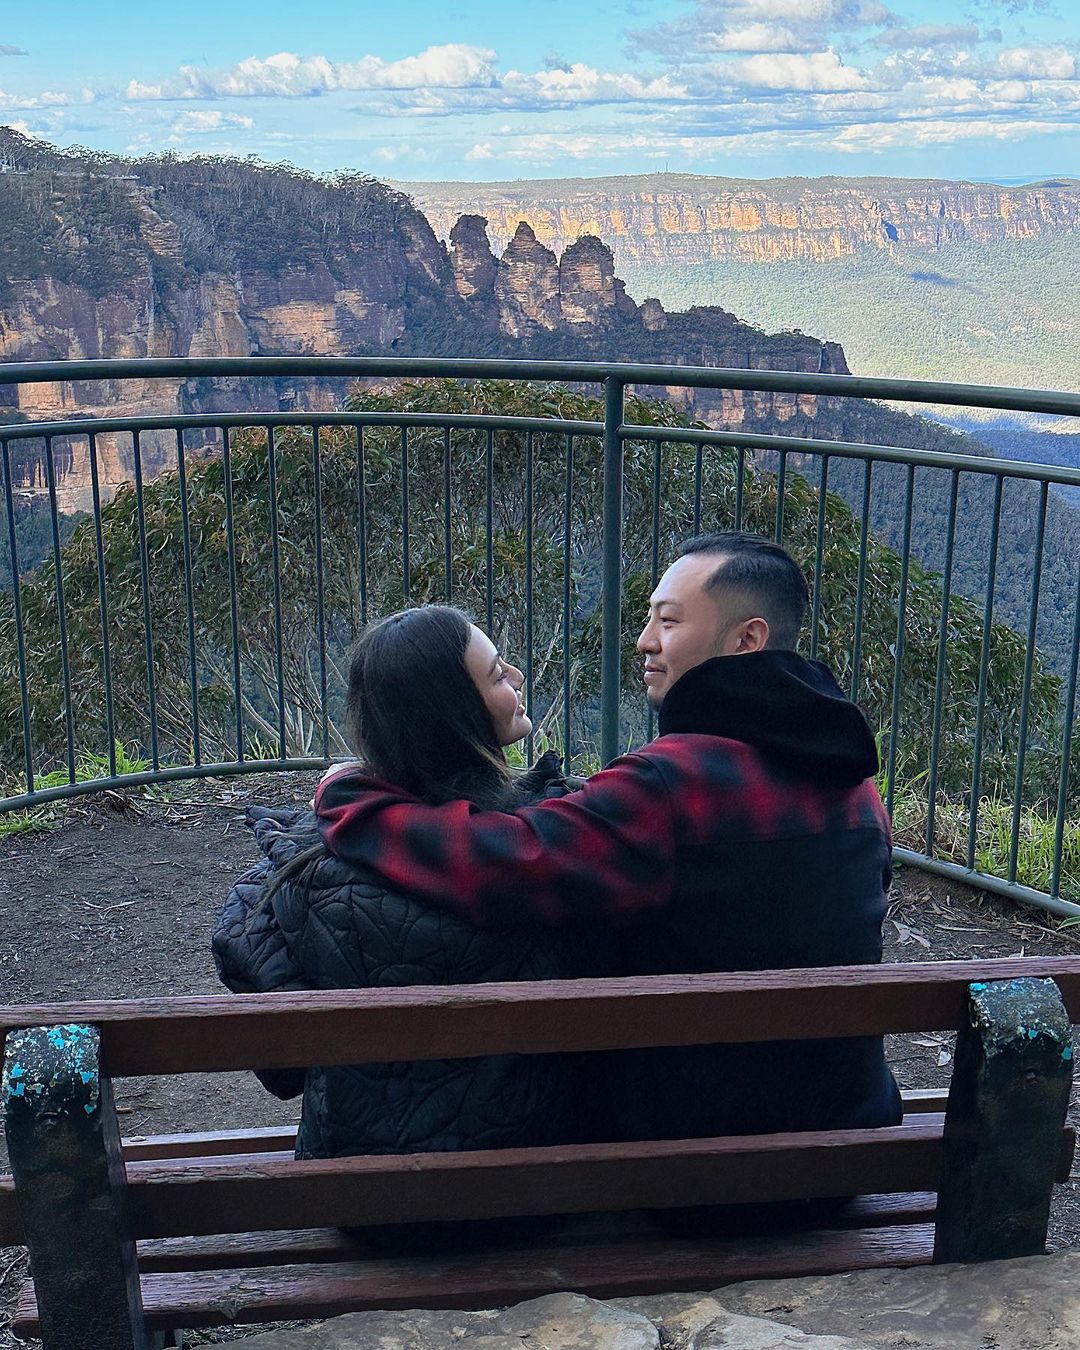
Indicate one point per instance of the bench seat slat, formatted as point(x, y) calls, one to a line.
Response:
point(211, 1144)
point(209, 1163)
point(208, 1147)
point(181, 1197)
point(259, 1294)
point(424, 1187)
point(314, 1246)
point(208, 1033)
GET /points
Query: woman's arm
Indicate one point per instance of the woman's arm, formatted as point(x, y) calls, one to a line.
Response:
point(605, 852)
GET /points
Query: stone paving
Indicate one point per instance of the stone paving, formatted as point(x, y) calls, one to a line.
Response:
point(1031, 1304)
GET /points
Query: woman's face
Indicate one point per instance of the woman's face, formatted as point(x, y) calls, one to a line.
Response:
point(499, 684)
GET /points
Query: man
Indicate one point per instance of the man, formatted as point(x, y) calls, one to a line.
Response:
point(748, 836)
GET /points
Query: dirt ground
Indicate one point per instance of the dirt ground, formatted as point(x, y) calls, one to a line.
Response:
point(118, 902)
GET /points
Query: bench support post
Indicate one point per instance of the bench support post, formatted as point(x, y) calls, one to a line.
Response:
point(1003, 1124)
point(64, 1144)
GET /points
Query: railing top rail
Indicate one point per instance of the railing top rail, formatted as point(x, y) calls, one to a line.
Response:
point(84, 426)
point(778, 381)
point(550, 426)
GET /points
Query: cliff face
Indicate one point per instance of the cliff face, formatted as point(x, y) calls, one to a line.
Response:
point(676, 218)
point(527, 286)
point(532, 292)
point(313, 307)
point(525, 293)
point(215, 259)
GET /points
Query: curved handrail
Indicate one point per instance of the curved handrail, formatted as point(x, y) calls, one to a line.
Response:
point(616, 379)
point(586, 372)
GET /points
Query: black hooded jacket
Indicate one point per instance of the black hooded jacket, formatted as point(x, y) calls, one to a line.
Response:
point(791, 896)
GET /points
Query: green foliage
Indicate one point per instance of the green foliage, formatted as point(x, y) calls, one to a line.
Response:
point(33, 536)
point(1036, 838)
point(82, 229)
point(80, 217)
point(35, 821)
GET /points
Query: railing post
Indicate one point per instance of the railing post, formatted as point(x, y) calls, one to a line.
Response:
point(64, 1144)
point(1003, 1123)
point(611, 613)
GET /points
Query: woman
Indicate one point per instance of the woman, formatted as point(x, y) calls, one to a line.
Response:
point(431, 706)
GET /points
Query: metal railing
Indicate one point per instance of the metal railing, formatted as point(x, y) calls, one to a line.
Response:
point(195, 625)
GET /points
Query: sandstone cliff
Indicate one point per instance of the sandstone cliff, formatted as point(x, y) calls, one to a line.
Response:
point(681, 218)
point(533, 292)
point(213, 258)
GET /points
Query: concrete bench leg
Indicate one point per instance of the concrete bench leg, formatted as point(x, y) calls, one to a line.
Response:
point(1003, 1123)
point(64, 1144)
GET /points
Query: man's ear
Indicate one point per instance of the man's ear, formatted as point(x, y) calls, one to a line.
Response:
point(753, 634)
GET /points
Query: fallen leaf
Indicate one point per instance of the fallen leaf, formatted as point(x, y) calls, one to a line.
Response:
point(906, 934)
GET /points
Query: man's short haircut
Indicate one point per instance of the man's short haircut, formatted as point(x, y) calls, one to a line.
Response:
point(765, 576)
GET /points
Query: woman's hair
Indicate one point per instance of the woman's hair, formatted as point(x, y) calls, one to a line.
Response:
point(416, 718)
point(414, 715)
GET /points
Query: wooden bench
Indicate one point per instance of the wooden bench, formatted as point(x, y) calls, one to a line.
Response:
point(128, 1238)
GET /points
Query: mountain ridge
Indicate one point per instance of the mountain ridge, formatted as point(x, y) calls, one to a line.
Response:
point(915, 278)
point(694, 218)
point(164, 257)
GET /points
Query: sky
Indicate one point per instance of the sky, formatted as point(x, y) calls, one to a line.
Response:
point(428, 90)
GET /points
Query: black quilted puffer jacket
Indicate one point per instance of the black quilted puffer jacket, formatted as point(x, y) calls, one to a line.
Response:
point(330, 927)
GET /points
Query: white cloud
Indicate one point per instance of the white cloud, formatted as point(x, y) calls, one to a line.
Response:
point(871, 137)
point(907, 135)
point(6, 49)
point(757, 25)
point(785, 70)
point(1037, 63)
point(755, 37)
point(438, 80)
point(48, 98)
point(582, 84)
point(836, 12)
point(481, 150)
point(16, 101)
point(286, 75)
point(929, 35)
point(199, 123)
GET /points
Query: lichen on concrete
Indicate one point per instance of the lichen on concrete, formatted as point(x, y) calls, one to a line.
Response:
point(1007, 1012)
point(55, 1066)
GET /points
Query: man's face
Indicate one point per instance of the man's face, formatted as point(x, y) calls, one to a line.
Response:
point(688, 625)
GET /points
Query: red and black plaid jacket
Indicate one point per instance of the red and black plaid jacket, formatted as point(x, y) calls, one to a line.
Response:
point(611, 851)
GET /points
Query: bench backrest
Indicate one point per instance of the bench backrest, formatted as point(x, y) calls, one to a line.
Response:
point(78, 1194)
point(293, 1030)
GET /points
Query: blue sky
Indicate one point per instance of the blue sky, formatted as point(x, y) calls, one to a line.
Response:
point(554, 88)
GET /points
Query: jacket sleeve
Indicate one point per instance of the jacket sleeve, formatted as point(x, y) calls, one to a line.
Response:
point(251, 958)
point(605, 852)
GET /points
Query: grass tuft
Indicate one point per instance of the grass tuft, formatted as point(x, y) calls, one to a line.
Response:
point(88, 767)
point(993, 838)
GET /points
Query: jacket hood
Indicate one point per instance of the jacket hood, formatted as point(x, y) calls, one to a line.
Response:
point(788, 708)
